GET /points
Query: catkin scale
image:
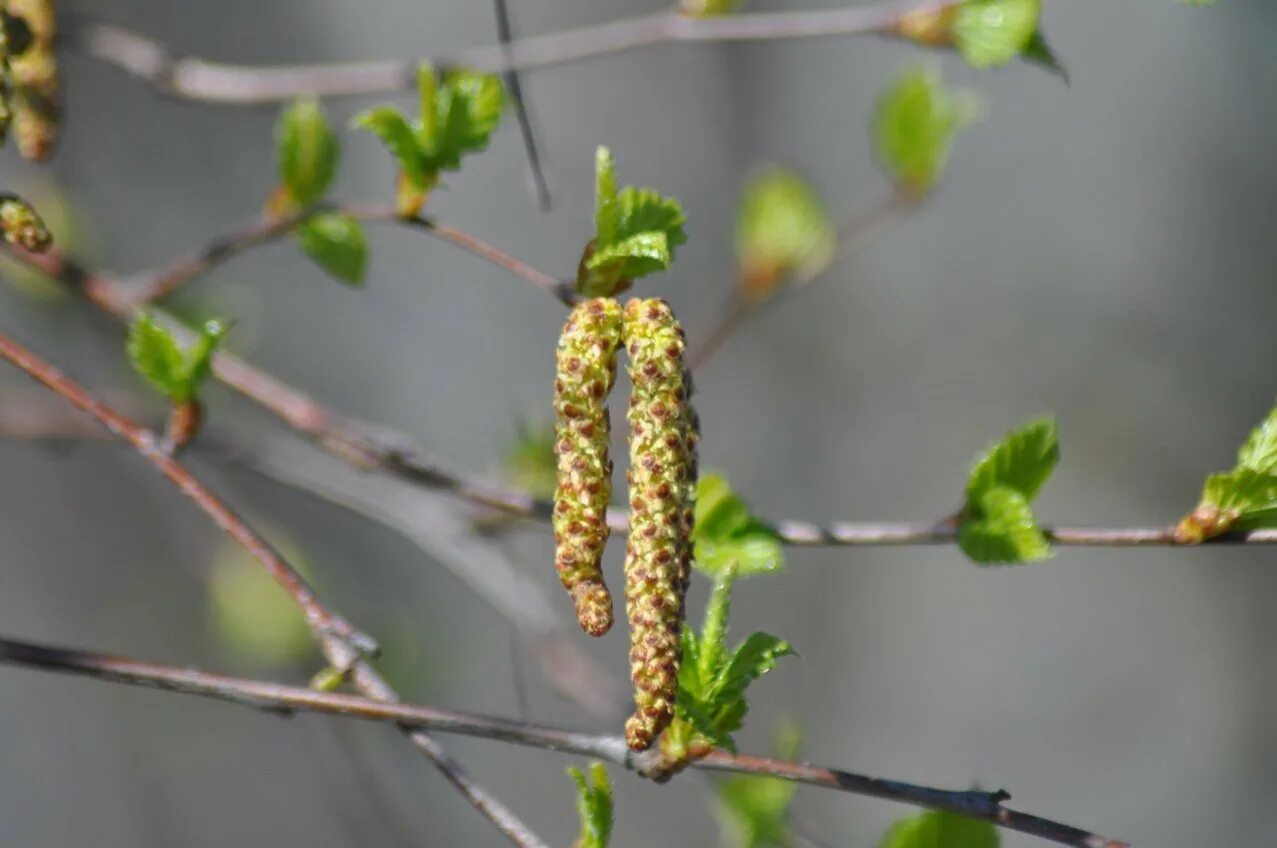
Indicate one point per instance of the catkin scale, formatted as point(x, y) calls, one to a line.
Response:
point(585, 368)
point(35, 76)
point(662, 484)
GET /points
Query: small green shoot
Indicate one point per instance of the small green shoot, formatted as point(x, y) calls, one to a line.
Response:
point(914, 127)
point(174, 373)
point(998, 525)
point(594, 806)
point(1242, 499)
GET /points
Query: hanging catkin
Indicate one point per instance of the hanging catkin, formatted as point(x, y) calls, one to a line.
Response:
point(662, 481)
point(37, 89)
point(585, 370)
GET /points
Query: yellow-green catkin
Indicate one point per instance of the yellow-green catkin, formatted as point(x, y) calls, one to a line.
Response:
point(584, 373)
point(36, 85)
point(662, 480)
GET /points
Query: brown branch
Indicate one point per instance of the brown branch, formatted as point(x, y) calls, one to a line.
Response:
point(192, 78)
point(342, 645)
point(371, 447)
point(277, 698)
point(157, 284)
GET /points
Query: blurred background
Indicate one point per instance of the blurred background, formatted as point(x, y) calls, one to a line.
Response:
point(1099, 250)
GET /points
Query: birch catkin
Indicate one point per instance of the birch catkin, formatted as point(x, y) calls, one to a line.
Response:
point(662, 481)
point(585, 370)
point(35, 77)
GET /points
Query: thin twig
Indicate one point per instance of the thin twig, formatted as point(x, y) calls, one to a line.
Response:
point(342, 645)
point(159, 283)
point(371, 447)
point(214, 82)
point(505, 35)
point(277, 698)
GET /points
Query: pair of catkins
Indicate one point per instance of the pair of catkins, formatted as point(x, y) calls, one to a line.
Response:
point(662, 487)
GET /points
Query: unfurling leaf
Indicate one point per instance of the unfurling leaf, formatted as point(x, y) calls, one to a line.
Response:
point(594, 806)
point(308, 151)
point(1242, 499)
point(727, 535)
point(155, 355)
point(940, 830)
point(782, 231)
point(997, 523)
point(468, 110)
point(400, 139)
point(914, 127)
point(336, 243)
point(989, 33)
point(636, 233)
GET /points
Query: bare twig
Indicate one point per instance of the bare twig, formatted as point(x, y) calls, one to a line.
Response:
point(987, 806)
point(192, 78)
point(505, 35)
point(342, 645)
point(375, 448)
point(162, 282)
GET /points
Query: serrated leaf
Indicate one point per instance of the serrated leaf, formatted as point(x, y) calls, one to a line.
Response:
point(644, 210)
point(1023, 460)
point(199, 358)
point(605, 213)
point(399, 137)
point(308, 151)
point(336, 243)
point(727, 535)
point(1003, 530)
point(594, 806)
point(989, 33)
point(637, 256)
point(756, 656)
point(712, 646)
point(468, 108)
point(1259, 453)
point(914, 128)
point(1240, 492)
point(940, 830)
point(782, 230)
point(154, 353)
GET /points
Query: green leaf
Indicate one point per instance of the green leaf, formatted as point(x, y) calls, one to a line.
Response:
point(400, 139)
point(199, 359)
point(713, 642)
point(726, 535)
point(753, 811)
point(155, 355)
point(636, 233)
point(1039, 52)
point(1023, 460)
point(594, 806)
point(308, 150)
point(1259, 453)
point(1003, 530)
point(756, 656)
point(989, 33)
point(605, 212)
point(468, 110)
point(336, 243)
point(940, 830)
point(914, 128)
point(782, 230)
point(1240, 492)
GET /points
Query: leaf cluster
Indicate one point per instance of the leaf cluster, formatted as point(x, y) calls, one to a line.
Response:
point(175, 373)
point(998, 525)
point(1244, 498)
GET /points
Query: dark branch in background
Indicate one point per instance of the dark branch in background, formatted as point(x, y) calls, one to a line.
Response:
point(341, 644)
point(505, 34)
point(371, 447)
point(987, 806)
point(197, 79)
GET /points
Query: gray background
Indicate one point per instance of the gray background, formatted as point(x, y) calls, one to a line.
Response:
point(1101, 251)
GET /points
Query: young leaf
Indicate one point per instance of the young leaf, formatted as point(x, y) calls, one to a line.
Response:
point(989, 33)
point(1039, 52)
point(636, 233)
point(1003, 531)
point(1023, 460)
point(753, 811)
point(594, 806)
point(400, 139)
point(940, 830)
point(727, 535)
point(336, 243)
point(155, 355)
point(468, 110)
point(1259, 453)
point(199, 359)
point(914, 128)
point(782, 230)
point(308, 151)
